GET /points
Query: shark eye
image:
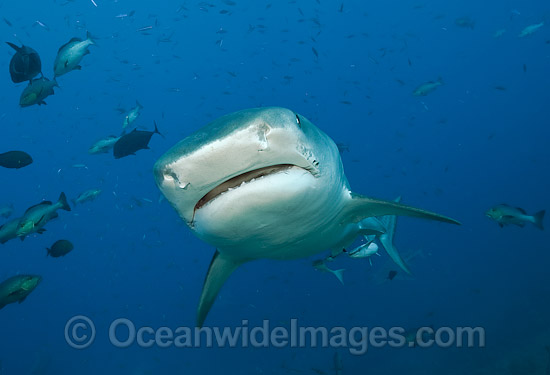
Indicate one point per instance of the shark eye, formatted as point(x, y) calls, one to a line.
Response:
point(298, 121)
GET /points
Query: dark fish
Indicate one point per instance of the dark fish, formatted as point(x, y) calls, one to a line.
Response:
point(15, 159)
point(342, 147)
point(392, 274)
point(132, 142)
point(25, 64)
point(17, 288)
point(36, 91)
point(315, 52)
point(504, 214)
point(60, 248)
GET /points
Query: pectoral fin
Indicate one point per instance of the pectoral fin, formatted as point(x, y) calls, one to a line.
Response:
point(220, 270)
point(386, 239)
point(360, 207)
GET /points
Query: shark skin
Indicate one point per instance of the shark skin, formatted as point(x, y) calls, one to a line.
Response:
point(266, 183)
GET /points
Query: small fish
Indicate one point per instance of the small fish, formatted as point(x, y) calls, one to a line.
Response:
point(6, 210)
point(320, 265)
point(392, 274)
point(60, 249)
point(145, 28)
point(132, 142)
point(71, 53)
point(36, 91)
point(132, 115)
point(25, 64)
point(342, 147)
point(36, 217)
point(104, 145)
point(15, 159)
point(504, 214)
point(41, 24)
point(499, 33)
point(427, 87)
point(315, 52)
point(87, 196)
point(531, 29)
point(465, 22)
point(364, 251)
point(17, 288)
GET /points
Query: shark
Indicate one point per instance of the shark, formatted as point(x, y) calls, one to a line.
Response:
point(266, 183)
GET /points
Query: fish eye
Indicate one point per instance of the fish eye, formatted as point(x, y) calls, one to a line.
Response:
point(298, 121)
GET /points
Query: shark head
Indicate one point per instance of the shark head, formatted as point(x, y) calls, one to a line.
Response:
point(265, 183)
point(246, 182)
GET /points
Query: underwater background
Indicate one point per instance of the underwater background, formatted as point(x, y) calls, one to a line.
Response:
point(480, 139)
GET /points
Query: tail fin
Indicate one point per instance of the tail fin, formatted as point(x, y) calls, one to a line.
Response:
point(90, 38)
point(48, 251)
point(157, 130)
point(64, 204)
point(139, 104)
point(386, 239)
point(339, 275)
point(539, 218)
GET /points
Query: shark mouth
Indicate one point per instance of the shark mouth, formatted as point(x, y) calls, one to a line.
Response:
point(240, 180)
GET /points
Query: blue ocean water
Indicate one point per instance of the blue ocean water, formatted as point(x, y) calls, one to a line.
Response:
point(350, 67)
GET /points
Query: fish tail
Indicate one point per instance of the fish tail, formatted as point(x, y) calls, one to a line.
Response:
point(538, 219)
point(139, 104)
point(157, 130)
point(90, 38)
point(440, 80)
point(48, 251)
point(339, 275)
point(64, 204)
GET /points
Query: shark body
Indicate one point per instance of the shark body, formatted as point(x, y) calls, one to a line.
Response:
point(266, 183)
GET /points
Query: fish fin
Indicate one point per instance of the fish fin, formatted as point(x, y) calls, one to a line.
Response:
point(48, 251)
point(78, 67)
point(539, 218)
point(66, 63)
point(64, 204)
point(13, 46)
point(90, 37)
point(386, 239)
point(219, 271)
point(42, 103)
point(339, 275)
point(22, 299)
point(360, 207)
point(139, 105)
point(41, 230)
point(87, 52)
point(157, 130)
point(75, 39)
point(440, 80)
point(501, 225)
